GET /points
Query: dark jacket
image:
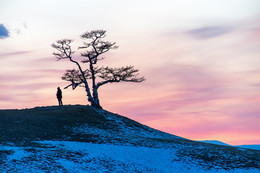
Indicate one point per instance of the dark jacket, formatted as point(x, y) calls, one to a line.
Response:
point(59, 94)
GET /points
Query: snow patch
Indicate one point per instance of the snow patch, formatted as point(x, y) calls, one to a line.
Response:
point(16, 153)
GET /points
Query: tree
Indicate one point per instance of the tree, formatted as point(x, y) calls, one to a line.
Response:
point(93, 48)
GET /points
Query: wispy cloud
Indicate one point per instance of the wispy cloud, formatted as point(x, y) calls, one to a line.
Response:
point(4, 33)
point(193, 101)
point(34, 87)
point(210, 32)
point(11, 54)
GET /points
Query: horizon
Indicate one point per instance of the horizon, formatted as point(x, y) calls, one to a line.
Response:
point(200, 60)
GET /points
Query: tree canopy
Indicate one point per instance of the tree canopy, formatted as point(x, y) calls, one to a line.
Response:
point(93, 47)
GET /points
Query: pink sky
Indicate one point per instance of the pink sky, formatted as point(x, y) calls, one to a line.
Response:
point(201, 61)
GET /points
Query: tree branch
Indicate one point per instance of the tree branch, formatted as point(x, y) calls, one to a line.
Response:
point(96, 46)
point(124, 74)
point(64, 49)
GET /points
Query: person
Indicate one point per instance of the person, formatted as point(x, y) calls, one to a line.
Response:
point(59, 96)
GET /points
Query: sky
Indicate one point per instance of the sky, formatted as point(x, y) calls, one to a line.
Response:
point(201, 61)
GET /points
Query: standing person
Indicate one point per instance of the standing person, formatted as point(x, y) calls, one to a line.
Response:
point(59, 96)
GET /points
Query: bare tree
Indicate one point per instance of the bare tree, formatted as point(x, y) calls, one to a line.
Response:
point(93, 48)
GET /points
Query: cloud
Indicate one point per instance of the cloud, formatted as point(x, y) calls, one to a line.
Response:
point(175, 88)
point(209, 32)
point(3, 32)
point(25, 25)
point(31, 87)
point(13, 54)
point(21, 28)
point(192, 101)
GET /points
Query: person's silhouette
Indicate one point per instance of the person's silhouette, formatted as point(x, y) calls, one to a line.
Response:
point(59, 96)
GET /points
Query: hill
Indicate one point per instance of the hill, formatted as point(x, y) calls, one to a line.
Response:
point(215, 142)
point(84, 139)
point(253, 147)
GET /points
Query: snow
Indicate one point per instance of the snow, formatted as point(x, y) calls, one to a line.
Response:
point(253, 147)
point(123, 128)
point(68, 156)
point(133, 158)
point(215, 142)
point(18, 153)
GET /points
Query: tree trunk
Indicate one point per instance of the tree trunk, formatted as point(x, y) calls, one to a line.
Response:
point(90, 99)
point(95, 103)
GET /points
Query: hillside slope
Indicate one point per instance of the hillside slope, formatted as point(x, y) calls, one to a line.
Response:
point(84, 139)
point(215, 142)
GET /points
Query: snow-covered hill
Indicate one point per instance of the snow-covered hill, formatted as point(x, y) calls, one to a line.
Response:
point(253, 147)
point(84, 139)
point(215, 142)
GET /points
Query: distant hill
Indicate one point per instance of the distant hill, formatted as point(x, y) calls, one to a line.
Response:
point(253, 147)
point(215, 142)
point(84, 139)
